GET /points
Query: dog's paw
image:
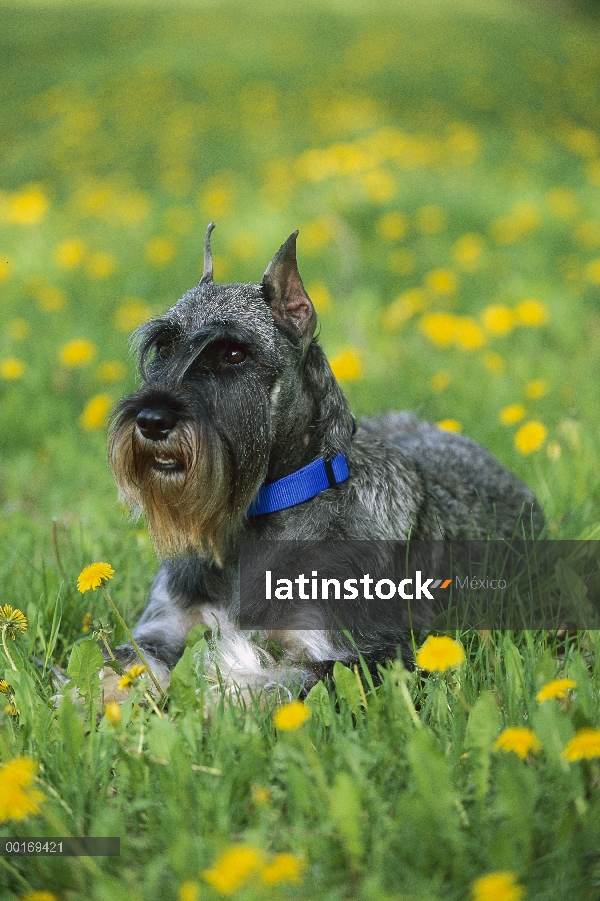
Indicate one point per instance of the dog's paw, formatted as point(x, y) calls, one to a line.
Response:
point(115, 688)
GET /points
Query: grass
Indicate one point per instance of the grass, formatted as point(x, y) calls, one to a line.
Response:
point(444, 171)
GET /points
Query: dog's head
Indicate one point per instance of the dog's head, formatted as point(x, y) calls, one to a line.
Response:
point(222, 384)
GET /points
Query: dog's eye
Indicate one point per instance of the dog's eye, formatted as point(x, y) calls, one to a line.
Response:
point(234, 355)
point(163, 350)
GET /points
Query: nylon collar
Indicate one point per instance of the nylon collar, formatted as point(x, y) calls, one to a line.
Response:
point(300, 486)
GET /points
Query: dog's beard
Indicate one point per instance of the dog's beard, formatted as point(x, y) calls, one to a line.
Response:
point(188, 486)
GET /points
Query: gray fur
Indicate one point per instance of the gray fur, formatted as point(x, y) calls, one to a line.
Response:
point(277, 411)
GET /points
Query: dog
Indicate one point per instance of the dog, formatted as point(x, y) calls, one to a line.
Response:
point(237, 401)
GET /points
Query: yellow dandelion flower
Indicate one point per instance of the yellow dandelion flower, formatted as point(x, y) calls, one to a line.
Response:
point(70, 253)
point(285, 868)
point(558, 688)
point(11, 369)
point(27, 207)
point(315, 235)
point(531, 312)
point(530, 437)
point(440, 381)
point(512, 414)
point(518, 739)
point(380, 185)
point(233, 868)
point(101, 264)
point(320, 296)
point(11, 710)
point(160, 251)
point(500, 886)
point(5, 268)
point(12, 621)
point(392, 226)
point(112, 711)
point(431, 219)
point(584, 745)
point(402, 309)
point(18, 329)
point(188, 891)
point(440, 328)
point(78, 352)
point(86, 622)
point(592, 272)
point(347, 366)
point(42, 895)
point(132, 312)
point(449, 425)
point(441, 281)
point(18, 796)
point(4, 686)
point(111, 371)
point(216, 201)
point(494, 363)
point(95, 413)
point(93, 576)
point(50, 298)
point(260, 795)
point(133, 673)
point(497, 319)
point(440, 653)
point(561, 202)
point(467, 334)
point(587, 234)
point(537, 389)
point(468, 251)
point(402, 261)
point(291, 716)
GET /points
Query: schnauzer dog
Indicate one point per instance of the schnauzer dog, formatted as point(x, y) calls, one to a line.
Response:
point(237, 404)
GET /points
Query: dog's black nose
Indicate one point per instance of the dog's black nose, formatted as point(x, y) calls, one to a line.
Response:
point(155, 425)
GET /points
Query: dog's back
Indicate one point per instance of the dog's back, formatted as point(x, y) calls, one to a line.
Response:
point(495, 501)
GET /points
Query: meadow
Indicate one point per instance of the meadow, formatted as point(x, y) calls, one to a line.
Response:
point(443, 167)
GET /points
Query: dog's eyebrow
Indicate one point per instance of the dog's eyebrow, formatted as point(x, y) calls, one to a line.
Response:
point(148, 334)
point(220, 331)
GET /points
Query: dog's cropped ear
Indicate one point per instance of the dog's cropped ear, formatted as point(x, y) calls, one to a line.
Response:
point(285, 292)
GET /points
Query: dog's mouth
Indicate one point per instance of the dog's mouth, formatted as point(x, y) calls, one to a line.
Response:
point(164, 463)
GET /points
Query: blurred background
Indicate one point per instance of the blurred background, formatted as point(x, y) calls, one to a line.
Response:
point(441, 160)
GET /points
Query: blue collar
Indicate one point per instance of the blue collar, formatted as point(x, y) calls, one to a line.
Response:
point(300, 486)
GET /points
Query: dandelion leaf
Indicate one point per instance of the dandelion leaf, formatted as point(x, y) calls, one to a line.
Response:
point(318, 701)
point(347, 686)
point(162, 738)
point(182, 688)
point(84, 668)
point(345, 809)
point(482, 728)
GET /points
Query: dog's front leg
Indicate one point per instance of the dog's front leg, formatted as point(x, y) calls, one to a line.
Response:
point(161, 634)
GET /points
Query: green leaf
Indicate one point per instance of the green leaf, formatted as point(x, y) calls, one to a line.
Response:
point(318, 701)
point(482, 729)
point(84, 667)
point(196, 633)
point(515, 678)
point(347, 686)
point(162, 738)
point(434, 787)
point(512, 810)
point(182, 688)
point(345, 809)
point(71, 728)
